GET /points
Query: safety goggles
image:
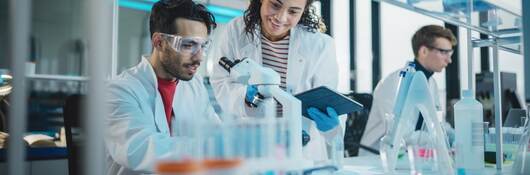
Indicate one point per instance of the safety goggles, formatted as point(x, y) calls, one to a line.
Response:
point(187, 45)
point(447, 52)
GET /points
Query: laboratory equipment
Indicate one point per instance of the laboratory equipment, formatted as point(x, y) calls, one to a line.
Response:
point(251, 144)
point(469, 135)
point(484, 94)
point(510, 143)
point(248, 72)
point(5, 89)
point(185, 167)
point(515, 118)
point(5, 83)
point(421, 153)
point(462, 5)
point(414, 97)
point(337, 153)
point(241, 145)
point(223, 166)
point(522, 156)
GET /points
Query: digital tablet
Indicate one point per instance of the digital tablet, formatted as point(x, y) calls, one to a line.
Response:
point(322, 97)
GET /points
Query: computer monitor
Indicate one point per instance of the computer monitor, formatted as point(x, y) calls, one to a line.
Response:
point(485, 94)
point(515, 118)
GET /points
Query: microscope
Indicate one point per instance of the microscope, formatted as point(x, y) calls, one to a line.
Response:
point(248, 72)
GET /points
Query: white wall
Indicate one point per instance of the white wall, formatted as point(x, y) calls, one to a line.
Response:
point(133, 30)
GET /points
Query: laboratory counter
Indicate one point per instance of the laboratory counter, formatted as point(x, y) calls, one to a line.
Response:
point(372, 165)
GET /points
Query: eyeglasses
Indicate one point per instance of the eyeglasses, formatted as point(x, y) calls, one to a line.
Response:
point(187, 45)
point(447, 52)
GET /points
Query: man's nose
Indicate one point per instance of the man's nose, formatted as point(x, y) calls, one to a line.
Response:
point(197, 57)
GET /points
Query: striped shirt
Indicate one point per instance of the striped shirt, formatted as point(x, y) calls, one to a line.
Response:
point(274, 55)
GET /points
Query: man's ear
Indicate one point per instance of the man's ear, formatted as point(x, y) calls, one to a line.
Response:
point(422, 51)
point(156, 40)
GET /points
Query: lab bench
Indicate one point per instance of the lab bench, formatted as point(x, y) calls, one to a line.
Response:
point(50, 160)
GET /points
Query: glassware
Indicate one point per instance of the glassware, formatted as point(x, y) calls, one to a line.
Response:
point(337, 155)
point(422, 153)
point(522, 156)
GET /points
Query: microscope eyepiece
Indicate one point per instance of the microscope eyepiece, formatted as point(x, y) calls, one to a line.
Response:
point(226, 63)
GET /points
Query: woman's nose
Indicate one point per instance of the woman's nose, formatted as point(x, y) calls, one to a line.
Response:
point(281, 16)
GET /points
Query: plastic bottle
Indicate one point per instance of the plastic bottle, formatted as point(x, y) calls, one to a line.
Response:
point(469, 135)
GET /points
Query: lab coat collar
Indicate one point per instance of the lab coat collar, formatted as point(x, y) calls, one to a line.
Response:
point(148, 70)
point(150, 77)
point(295, 58)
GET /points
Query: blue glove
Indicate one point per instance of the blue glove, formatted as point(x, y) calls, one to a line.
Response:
point(325, 122)
point(252, 97)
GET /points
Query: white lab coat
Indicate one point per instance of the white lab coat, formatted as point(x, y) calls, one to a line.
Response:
point(384, 97)
point(137, 130)
point(311, 63)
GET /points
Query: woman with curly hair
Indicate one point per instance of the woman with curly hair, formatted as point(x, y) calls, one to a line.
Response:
point(283, 35)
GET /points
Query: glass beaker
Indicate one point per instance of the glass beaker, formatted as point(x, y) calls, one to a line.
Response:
point(421, 153)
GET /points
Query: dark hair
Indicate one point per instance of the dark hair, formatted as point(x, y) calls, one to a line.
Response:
point(427, 35)
point(309, 20)
point(165, 12)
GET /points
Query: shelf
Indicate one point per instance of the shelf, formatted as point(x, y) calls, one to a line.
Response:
point(509, 44)
point(500, 20)
point(57, 77)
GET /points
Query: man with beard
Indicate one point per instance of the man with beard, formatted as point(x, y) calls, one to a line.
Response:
point(149, 102)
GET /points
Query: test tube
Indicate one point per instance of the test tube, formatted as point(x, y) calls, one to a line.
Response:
point(486, 133)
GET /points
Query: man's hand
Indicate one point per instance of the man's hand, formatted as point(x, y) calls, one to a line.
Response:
point(324, 122)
